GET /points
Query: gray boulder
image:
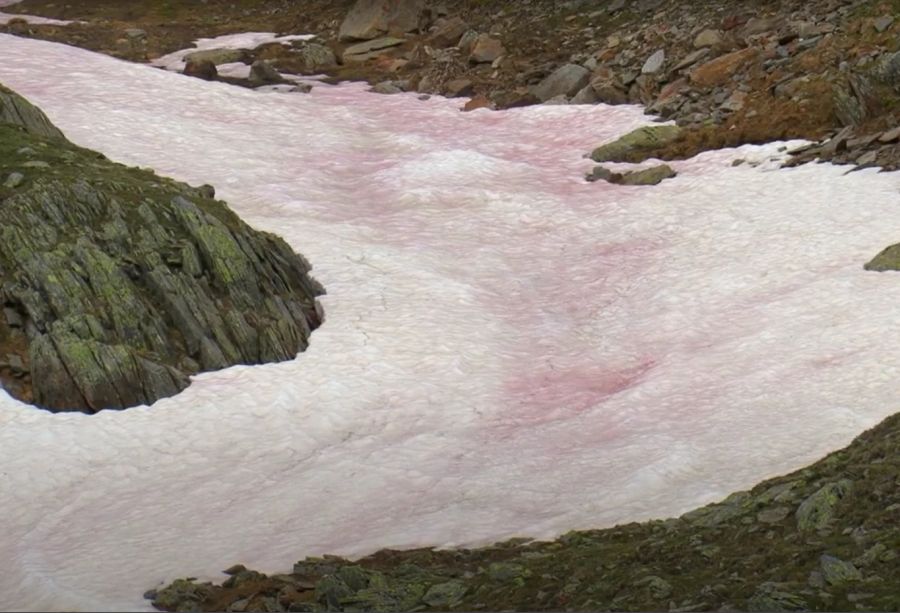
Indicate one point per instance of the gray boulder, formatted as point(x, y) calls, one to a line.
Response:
point(566, 80)
point(263, 73)
point(315, 58)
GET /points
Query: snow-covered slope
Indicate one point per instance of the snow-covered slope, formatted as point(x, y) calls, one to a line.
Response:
point(507, 350)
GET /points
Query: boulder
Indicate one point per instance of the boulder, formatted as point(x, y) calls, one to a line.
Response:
point(887, 259)
point(448, 32)
point(370, 19)
point(636, 141)
point(315, 58)
point(718, 71)
point(119, 285)
point(202, 69)
point(386, 87)
point(263, 73)
point(458, 87)
point(566, 80)
point(838, 572)
point(485, 50)
point(586, 95)
point(818, 511)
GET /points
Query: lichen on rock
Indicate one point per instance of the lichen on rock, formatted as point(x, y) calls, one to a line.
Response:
point(117, 284)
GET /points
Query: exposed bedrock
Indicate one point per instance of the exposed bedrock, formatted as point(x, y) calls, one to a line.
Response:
point(117, 284)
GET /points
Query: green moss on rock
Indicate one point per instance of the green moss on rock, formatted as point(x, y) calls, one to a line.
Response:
point(124, 283)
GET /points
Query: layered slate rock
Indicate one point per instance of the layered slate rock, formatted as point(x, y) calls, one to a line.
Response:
point(117, 284)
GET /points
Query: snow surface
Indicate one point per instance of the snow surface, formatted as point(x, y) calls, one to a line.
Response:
point(245, 40)
point(39, 21)
point(508, 350)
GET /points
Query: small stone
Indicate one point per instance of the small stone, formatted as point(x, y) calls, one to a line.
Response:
point(735, 102)
point(773, 515)
point(692, 58)
point(505, 571)
point(883, 23)
point(14, 180)
point(601, 173)
point(386, 87)
point(234, 570)
point(15, 362)
point(838, 572)
point(301, 88)
point(36, 164)
point(648, 176)
point(867, 159)
point(444, 595)
point(13, 319)
point(890, 135)
point(654, 63)
point(707, 38)
point(459, 87)
point(816, 580)
point(135, 33)
point(202, 69)
point(486, 49)
point(658, 587)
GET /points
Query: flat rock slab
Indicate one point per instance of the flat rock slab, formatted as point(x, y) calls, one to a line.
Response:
point(371, 48)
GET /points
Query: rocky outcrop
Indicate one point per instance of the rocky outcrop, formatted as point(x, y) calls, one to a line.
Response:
point(17, 111)
point(117, 284)
point(372, 18)
point(811, 540)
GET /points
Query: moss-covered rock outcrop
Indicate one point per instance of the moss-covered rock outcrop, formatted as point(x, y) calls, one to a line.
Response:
point(824, 538)
point(117, 284)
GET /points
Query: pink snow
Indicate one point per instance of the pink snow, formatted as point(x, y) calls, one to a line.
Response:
point(508, 350)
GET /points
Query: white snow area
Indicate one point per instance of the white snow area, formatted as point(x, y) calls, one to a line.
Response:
point(508, 350)
point(38, 21)
point(247, 40)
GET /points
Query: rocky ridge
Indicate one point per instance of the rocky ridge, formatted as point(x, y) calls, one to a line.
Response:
point(116, 284)
point(824, 538)
point(728, 72)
